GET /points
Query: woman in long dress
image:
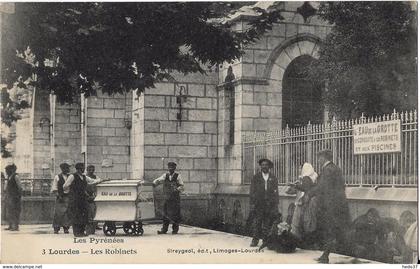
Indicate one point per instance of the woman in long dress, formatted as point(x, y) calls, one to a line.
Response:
point(304, 216)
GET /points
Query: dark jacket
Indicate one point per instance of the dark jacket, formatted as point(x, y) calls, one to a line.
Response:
point(172, 204)
point(60, 183)
point(170, 187)
point(78, 200)
point(330, 189)
point(260, 199)
point(13, 191)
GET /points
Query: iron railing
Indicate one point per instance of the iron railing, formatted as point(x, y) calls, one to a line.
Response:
point(290, 148)
point(36, 186)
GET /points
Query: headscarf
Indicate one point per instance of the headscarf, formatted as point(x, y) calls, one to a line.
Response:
point(308, 171)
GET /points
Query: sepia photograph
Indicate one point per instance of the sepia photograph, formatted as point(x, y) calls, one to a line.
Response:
point(230, 132)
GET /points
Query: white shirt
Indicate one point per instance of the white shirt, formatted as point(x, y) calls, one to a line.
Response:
point(54, 186)
point(265, 176)
point(93, 180)
point(160, 180)
point(70, 179)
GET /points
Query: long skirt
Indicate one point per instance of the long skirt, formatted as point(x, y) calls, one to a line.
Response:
point(297, 222)
point(61, 218)
point(310, 215)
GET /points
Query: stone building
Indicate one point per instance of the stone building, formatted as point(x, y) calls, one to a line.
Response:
point(197, 121)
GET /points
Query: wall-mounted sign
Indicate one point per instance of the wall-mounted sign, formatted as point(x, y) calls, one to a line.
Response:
point(107, 163)
point(377, 137)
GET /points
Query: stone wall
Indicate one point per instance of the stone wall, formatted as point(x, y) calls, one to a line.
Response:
point(108, 135)
point(229, 206)
point(67, 135)
point(229, 154)
point(108, 139)
point(137, 137)
point(232, 203)
point(191, 140)
point(258, 82)
point(41, 137)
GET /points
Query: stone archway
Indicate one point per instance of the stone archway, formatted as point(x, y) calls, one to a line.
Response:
point(283, 68)
point(301, 96)
point(287, 51)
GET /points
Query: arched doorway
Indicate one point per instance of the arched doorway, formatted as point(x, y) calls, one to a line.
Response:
point(301, 96)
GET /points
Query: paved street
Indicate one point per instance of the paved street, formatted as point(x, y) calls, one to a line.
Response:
point(38, 244)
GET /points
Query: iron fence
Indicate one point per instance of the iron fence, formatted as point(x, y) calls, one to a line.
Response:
point(36, 186)
point(290, 148)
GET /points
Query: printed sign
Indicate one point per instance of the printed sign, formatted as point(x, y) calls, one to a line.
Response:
point(121, 193)
point(377, 137)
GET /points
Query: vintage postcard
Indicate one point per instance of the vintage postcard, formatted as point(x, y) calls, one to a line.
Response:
point(209, 132)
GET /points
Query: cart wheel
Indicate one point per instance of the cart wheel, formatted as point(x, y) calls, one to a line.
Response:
point(138, 228)
point(129, 227)
point(109, 228)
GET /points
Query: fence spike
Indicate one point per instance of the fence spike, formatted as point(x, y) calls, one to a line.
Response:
point(411, 116)
point(393, 115)
point(406, 116)
point(362, 118)
point(415, 115)
point(334, 122)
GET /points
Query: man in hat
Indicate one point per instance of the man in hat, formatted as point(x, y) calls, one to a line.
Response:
point(13, 195)
point(264, 201)
point(62, 200)
point(172, 187)
point(333, 212)
point(76, 184)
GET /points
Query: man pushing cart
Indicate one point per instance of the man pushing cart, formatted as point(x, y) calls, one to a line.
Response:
point(172, 187)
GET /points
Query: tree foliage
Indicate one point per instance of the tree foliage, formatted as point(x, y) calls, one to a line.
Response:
point(77, 48)
point(117, 47)
point(369, 60)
